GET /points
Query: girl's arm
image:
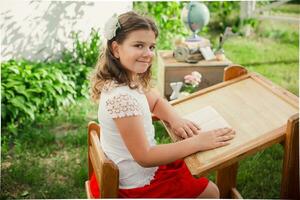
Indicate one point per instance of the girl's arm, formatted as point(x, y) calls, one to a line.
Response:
point(164, 111)
point(133, 134)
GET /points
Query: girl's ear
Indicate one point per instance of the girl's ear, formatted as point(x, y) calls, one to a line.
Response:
point(115, 49)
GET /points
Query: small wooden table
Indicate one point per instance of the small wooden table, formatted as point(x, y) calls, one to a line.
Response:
point(170, 70)
point(262, 114)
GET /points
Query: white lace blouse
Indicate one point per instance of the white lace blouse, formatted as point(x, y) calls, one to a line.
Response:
point(117, 102)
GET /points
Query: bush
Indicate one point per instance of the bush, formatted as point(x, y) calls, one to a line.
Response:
point(29, 88)
point(78, 62)
point(223, 14)
point(77, 73)
point(84, 52)
point(167, 16)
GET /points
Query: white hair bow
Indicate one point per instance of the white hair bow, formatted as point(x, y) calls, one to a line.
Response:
point(111, 26)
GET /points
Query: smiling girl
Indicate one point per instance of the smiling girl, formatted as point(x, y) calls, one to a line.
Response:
point(126, 104)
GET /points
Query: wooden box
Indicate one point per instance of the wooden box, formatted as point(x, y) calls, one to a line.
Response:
point(169, 70)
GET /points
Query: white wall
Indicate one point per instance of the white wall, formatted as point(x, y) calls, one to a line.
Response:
point(39, 30)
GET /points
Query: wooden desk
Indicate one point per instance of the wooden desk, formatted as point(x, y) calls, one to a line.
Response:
point(169, 70)
point(262, 114)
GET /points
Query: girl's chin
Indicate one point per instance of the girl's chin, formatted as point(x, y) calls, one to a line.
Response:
point(142, 70)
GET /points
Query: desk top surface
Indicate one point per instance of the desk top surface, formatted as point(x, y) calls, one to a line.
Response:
point(257, 109)
point(170, 61)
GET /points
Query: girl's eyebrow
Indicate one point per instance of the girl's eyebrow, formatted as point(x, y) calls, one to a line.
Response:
point(143, 42)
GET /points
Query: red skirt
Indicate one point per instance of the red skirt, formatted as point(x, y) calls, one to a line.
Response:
point(170, 181)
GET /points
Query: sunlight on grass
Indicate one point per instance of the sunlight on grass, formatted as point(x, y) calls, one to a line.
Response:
point(263, 56)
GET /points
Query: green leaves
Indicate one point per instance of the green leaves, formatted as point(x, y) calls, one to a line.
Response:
point(167, 16)
point(29, 88)
point(84, 52)
point(79, 61)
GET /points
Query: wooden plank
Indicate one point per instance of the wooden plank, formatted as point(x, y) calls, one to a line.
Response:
point(97, 147)
point(209, 89)
point(199, 168)
point(226, 180)
point(170, 61)
point(91, 126)
point(96, 165)
point(94, 126)
point(106, 172)
point(110, 177)
point(290, 171)
point(277, 90)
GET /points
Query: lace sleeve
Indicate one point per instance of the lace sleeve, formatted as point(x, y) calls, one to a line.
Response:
point(123, 105)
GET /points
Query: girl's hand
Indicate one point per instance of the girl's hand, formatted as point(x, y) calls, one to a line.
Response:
point(184, 128)
point(215, 138)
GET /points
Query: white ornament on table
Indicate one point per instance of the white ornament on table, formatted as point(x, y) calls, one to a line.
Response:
point(176, 86)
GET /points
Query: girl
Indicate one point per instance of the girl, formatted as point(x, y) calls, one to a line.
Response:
point(121, 82)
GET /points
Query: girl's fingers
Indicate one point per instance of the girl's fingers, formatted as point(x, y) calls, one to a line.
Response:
point(223, 131)
point(188, 131)
point(196, 125)
point(225, 138)
point(182, 133)
point(221, 144)
point(193, 128)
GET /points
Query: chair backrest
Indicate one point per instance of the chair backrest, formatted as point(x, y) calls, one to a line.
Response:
point(106, 171)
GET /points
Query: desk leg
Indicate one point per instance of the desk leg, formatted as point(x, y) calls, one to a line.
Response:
point(226, 180)
point(290, 171)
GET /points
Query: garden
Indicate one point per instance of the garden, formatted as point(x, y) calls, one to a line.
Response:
point(45, 106)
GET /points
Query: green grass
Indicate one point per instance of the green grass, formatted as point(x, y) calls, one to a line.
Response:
point(49, 158)
point(276, 61)
point(259, 176)
point(287, 9)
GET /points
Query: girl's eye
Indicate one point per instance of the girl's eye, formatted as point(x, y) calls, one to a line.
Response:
point(152, 48)
point(140, 46)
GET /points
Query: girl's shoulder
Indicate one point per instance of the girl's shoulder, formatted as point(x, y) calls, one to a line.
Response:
point(112, 87)
point(119, 100)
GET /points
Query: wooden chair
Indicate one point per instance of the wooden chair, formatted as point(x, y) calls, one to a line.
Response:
point(106, 171)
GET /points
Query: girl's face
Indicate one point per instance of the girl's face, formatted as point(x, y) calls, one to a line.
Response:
point(136, 51)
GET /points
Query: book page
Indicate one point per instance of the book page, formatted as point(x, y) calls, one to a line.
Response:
point(207, 118)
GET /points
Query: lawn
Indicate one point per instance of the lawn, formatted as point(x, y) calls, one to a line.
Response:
point(49, 159)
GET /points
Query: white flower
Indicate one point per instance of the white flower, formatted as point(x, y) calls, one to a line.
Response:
point(111, 26)
point(197, 75)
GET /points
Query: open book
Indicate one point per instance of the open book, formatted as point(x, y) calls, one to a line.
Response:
point(207, 118)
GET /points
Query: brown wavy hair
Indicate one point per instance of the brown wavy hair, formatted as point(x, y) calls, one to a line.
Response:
point(109, 67)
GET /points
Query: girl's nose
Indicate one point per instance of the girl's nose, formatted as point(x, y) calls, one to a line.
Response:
point(148, 53)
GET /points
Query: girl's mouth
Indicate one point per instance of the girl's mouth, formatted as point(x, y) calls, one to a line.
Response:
point(144, 61)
